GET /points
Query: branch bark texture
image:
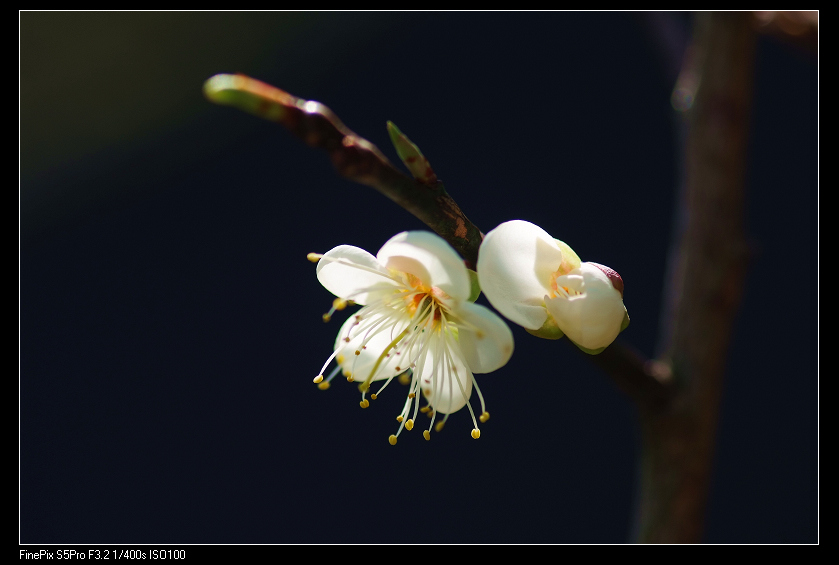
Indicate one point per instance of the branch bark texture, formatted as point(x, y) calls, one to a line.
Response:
point(353, 156)
point(678, 436)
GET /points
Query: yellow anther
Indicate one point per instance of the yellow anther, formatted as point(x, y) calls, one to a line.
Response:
point(411, 395)
point(392, 440)
point(399, 418)
point(364, 403)
point(346, 372)
point(484, 417)
point(358, 352)
point(339, 303)
point(409, 425)
point(404, 379)
point(398, 369)
point(427, 435)
point(317, 379)
point(439, 426)
point(476, 433)
point(424, 409)
point(324, 385)
point(373, 396)
point(340, 359)
point(349, 378)
point(314, 257)
point(326, 317)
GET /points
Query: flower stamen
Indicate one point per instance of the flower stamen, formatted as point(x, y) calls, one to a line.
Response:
point(324, 384)
point(337, 304)
point(384, 353)
point(462, 392)
point(429, 337)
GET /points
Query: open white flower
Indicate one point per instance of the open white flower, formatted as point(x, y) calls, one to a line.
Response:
point(539, 283)
point(416, 324)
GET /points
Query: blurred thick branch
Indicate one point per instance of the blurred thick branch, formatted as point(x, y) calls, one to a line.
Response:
point(707, 277)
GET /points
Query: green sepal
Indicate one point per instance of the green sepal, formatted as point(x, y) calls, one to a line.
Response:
point(549, 330)
point(410, 154)
point(625, 322)
point(624, 325)
point(589, 351)
point(475, 291)
point(570, 259)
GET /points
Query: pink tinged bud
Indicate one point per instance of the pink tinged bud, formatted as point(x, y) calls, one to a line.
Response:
point(613, 275)
point(540, 283)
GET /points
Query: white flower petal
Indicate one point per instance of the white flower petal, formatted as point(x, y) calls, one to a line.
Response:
point(485, 340)
point(445, 380)
point(591, 319)
point(428, 257)
point(381, 336)
point(515, 264)
point(415, 317)
point(352, 273)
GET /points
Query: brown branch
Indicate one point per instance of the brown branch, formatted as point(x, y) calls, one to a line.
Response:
point(800, 29)
point(706, 284)
point(353, 156)
point(647, 382)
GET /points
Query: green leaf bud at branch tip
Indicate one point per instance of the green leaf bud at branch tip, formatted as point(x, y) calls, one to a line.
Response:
point(249, 95)
point(410, 154)
point(354, 157)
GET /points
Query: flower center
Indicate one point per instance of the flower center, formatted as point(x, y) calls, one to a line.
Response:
point(566, 286)
point(411, 328)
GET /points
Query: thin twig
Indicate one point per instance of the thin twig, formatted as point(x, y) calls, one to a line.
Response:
point(353, 156)
point(648, 383)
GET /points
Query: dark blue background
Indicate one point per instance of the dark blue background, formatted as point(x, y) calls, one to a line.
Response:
point(170, 325)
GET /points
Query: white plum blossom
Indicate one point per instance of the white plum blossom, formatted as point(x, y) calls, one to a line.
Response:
point(539, 283)
point(416, 324)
